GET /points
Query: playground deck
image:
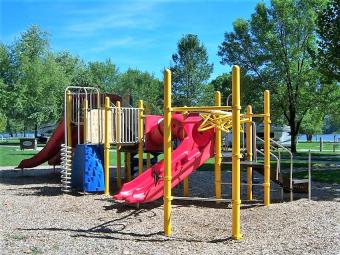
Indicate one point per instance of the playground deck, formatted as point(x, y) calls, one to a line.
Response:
point(36, 218)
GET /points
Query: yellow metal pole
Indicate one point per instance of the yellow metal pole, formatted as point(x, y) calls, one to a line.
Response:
point(266, 124)
point(69, 118)
point(186, 186)
point(128, 166)
point(86, 106)
point(236, 175)
point(250, 153)
point(107, 147)
point(140, 136)
point(148, 155)
point(148, 160)
point(218, 152)
point(118, 147)
point(167, 152)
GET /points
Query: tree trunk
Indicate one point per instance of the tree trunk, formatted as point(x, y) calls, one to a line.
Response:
point(293, 136)
point(309, 138)
point(293, 133)
point(36, 130)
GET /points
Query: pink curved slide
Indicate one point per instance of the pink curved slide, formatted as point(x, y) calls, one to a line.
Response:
point(51, 149)
point(195, 149)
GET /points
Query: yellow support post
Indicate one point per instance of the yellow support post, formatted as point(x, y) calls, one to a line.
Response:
point(266, 125)
point(167, 152)
point(128, 166)
point(186, 186)
point(118, 147)
point(236, 175)
point(218, 152)
point(107, 147)
point(249, 132)
point(148, 160)
point(69, 118)
point(86, 106)
point(140, 136)
point(148, 155)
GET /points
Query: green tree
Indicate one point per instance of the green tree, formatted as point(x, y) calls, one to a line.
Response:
point(141, 85)
point(190, 71)
point(276, 48)
point(75, 70)
point(329, 41)
point(222, 83)
point(34, 81)
point(3, 102)
point(332, 124)
point(103, 74)
point(312, 123)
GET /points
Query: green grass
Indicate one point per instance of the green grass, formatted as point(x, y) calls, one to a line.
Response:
point(15, 142)
point(326, 176)
point(316, 146)
point(11, 156)
point(325, 164)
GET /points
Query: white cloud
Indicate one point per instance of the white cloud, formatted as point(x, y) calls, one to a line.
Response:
point(121, 42)
point(137, 15)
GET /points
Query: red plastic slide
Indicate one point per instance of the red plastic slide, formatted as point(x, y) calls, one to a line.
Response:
point(196, 148)
point(51, 149)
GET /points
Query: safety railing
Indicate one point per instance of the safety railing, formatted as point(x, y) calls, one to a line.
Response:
point(82, 101)
point(272, 141)
point(278, 163)
point(291, 161)
point(124, 125)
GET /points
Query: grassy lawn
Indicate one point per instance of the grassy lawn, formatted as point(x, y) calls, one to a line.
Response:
point(325, 164)
point(328, 146)
point(11, 156)
point(330, 176)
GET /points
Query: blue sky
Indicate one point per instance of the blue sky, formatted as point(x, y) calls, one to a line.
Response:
point(136, 34)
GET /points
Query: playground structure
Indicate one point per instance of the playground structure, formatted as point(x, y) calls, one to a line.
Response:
point(200, 131)
point(92, 119)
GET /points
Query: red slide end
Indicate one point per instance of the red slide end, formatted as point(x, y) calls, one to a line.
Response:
point(51, 149)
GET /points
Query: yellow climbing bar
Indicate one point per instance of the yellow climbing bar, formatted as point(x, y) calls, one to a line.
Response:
point(200, 108)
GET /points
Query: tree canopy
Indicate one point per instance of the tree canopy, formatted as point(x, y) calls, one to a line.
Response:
point(190, 71)
point(33, 79)
point(276, 48)
point(329, 40)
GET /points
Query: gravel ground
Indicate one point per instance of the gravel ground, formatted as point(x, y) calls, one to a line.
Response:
point(36, 218)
